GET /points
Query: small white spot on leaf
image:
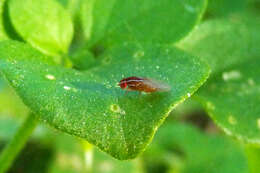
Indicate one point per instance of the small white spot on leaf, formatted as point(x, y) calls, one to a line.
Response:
point(188, 94)
point(115, 108)
point(66, 87)
point(50, 77)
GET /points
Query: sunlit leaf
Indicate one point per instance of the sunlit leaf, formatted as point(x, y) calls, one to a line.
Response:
point(3, 35)
point(42, 23)
point(90, 105)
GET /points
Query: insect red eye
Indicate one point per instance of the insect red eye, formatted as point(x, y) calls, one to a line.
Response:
point(123, 84)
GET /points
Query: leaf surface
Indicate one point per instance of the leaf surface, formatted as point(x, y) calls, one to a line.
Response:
point(222, 8)
point(3, 35)
point(232, 95)
point(42, 23)
point(142, 20)
point(90, 105)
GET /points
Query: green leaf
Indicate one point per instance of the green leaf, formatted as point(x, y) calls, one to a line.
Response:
point(8, 127)
point(3, 35)
point(218, 154)
point(253, 155)
point(225, 42)
point(232, 99)
point(143, 20)
point(64, 3)
point(232, 95)
point(90, 105)
point(220, 8)
point(83, 59)
point(11, 104)
point(42, 23)
point(73, 6)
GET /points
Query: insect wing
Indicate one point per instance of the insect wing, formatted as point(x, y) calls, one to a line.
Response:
point(158, 85)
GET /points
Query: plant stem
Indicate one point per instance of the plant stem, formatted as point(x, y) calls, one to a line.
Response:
point(17, 143)
point(253, 156)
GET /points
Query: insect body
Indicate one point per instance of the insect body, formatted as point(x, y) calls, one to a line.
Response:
point(142, 84)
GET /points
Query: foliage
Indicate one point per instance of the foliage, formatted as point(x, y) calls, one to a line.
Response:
point(178, 145)
point(63, 59)
point(52, 36)
point(122, 120)
point(231, 95)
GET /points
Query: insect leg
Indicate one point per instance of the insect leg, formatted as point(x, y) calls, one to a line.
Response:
point(126, 91)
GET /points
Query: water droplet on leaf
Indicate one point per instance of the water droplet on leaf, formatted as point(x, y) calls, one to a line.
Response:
point(66, 87)
point(115, 108)
point(50, 77)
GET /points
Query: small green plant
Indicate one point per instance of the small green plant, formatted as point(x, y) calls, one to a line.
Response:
point(64, 59)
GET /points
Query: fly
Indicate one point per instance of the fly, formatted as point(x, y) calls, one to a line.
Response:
point(143, 85)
